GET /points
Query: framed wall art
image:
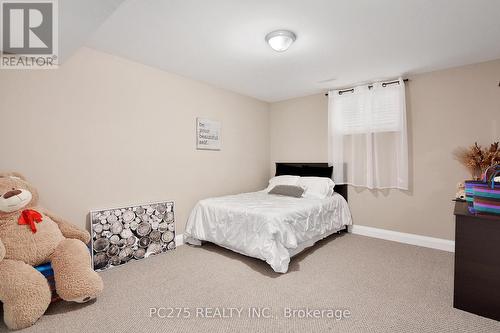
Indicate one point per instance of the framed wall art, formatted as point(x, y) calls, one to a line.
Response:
point(208, 134)
point(122, 234)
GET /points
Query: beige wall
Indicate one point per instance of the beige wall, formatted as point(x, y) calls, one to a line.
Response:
point(103, 131)
point(299, 130)
point(446, 109)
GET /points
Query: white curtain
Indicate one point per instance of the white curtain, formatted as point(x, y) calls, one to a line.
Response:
point(368, 144)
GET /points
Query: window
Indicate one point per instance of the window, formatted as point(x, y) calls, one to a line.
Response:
point(368, 110)
point(367, 135)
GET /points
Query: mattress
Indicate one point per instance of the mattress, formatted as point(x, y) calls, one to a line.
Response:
point(265, 226)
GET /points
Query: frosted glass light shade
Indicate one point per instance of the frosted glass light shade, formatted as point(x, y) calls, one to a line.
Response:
point(280, 40)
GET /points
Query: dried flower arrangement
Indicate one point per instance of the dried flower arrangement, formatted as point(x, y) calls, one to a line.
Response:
point(477, 159)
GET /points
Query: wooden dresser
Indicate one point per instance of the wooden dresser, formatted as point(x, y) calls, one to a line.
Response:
point(477, 263)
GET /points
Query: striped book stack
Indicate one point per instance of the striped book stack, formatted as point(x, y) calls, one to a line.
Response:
point(46, 270)
point(487, 199)
point(470, 185)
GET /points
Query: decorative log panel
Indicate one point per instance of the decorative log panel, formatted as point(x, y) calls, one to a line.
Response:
point(120, 235)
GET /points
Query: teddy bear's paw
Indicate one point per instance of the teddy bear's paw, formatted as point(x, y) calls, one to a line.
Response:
point(16, 322)
point(82, 291)
point(17, 319)
point(84, 299)
point(24, 292)
point(23, 313)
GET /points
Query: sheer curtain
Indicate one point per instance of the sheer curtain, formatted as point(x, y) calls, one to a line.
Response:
point(368, 144)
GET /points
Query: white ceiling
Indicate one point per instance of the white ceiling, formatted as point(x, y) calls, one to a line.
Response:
point(78, 19)
point(222, 41)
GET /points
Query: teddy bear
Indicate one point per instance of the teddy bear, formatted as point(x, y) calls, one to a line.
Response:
point(460, 191)
point(30, 235)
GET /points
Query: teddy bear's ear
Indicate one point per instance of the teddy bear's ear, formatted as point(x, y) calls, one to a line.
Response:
point(12, 175)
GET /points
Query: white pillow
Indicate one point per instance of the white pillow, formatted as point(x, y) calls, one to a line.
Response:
point(283, 180)
point(317, 187)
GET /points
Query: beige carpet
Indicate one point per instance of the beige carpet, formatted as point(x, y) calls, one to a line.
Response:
point(386, 286)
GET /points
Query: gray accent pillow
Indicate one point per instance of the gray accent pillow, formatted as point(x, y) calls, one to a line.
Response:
point(288, 190)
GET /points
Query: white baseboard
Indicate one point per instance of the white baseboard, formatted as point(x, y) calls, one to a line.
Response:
point(179, 240)
point(395, 236)
point(401, 237)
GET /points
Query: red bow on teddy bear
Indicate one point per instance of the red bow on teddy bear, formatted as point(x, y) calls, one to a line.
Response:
point(30, 217)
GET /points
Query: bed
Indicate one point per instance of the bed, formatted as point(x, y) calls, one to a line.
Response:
point(273, 228)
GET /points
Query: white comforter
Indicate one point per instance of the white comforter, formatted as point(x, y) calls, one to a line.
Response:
point(265, 226)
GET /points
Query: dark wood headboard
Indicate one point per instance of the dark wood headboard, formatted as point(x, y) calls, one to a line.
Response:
point(340, 189)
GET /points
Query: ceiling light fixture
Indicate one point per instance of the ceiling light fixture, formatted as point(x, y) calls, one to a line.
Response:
point(280, 40)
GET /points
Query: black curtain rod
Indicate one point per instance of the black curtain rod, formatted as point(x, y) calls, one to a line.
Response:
point(384, 84)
